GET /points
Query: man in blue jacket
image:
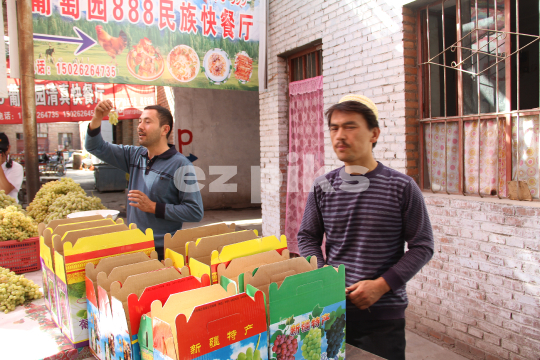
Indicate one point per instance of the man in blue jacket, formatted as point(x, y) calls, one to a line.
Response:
point(163, 189)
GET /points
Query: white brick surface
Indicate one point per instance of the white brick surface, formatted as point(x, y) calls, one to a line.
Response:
point(480, 294)
point(362, 53)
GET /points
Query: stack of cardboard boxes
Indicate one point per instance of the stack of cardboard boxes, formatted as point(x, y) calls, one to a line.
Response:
point(66, 246)
point(219, 294)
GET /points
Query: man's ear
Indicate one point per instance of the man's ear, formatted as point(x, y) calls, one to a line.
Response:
point(376, 132)
point(165, 130)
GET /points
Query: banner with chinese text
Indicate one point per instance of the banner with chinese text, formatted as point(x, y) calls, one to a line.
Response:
point(196, 43)
point(58, 101)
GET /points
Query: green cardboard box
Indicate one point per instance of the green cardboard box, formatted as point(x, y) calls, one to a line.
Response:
point(305, 308)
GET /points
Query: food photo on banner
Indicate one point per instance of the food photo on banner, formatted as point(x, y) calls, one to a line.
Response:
point(58, 101)
point(197, 43)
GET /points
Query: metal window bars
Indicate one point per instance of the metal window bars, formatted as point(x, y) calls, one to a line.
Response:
point(506, 115)
point(501, 35)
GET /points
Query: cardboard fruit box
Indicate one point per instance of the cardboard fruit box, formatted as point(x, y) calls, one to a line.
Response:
point(107, 265)
point(54, 223)
point(163, 331)
point(237, 267)
point(206, 254)
point(51, 227)
point(176, 245)
point(201, 248)
point(46, 248)
point(104, 268)
point(112, 319)
point(210, 323)
point(61, 308)
point(72, 253)
point(139, 306)
point(306, 308)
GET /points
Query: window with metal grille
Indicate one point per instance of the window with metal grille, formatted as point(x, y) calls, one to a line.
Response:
point(479, 90)
point(305, 64)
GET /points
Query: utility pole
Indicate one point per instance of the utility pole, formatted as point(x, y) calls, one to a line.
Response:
point(28, 97)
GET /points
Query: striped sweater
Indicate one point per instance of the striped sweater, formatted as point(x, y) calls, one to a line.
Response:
point(367, 219)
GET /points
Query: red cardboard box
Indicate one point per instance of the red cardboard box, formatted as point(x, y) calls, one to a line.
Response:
point(209, 323)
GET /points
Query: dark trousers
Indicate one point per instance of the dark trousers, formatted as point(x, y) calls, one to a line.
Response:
point(385, 338)
point(161, 253)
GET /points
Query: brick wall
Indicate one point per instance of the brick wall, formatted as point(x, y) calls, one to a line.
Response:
point(118, 133)
point(480, 294)
point(162, 97)
point(71, 128)
point(363, 52)
point(129, 127)
point(135, 132)
point(51, 129)
point(411, 94)
point(11, 132)
point(127, 132)
point(165, 98)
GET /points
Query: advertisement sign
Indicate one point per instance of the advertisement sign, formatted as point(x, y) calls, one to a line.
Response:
point(197, 43)
point(63, 101)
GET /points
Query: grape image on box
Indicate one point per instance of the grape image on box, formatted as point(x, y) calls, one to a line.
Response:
point(335, 336)
point(285, 347)
point(312, 336)
point(311, 349)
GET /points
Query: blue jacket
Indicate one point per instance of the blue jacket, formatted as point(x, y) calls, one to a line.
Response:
point(167, 179)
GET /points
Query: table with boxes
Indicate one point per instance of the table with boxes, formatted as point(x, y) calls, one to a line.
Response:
point(219, 294)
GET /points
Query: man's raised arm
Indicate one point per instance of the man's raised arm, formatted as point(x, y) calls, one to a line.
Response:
point(116, 155)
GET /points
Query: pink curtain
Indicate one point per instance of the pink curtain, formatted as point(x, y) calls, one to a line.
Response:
point(306, 150)
point(480, 163)
point(435, 151)
point(480, 160)
point(525, 156)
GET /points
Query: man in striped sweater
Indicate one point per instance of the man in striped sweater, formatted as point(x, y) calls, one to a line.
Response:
point(368, 213)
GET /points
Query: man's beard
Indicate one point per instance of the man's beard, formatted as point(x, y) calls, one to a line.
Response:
point(150, 139)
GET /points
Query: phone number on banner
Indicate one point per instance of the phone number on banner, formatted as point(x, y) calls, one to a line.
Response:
point(68, 113)
point(47, 114)
point(63, 68)
point(79, 113)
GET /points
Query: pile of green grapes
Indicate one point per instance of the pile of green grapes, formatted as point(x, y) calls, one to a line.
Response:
point(72, 202)
point(39, 207)
point(311, 348)
point(334, 336)
point(6, 200)
point(56, 199)
point(249, 355)
point(15, 290)
point(15, 225)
